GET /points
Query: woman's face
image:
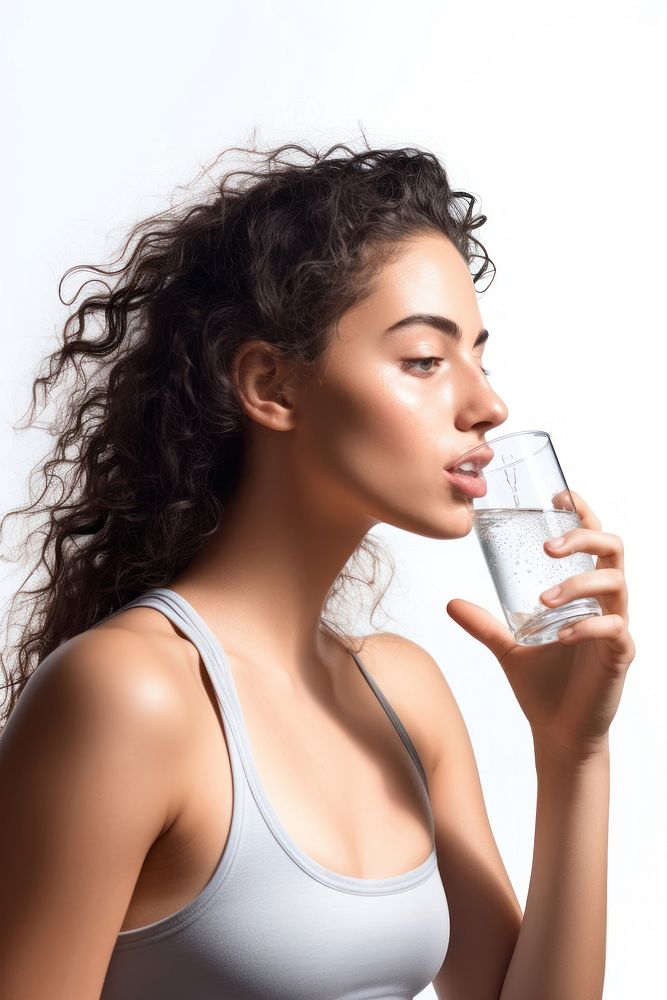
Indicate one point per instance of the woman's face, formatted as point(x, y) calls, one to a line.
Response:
point(382, 420)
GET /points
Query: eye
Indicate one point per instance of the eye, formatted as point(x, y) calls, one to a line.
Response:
point(410, 365)
point(412, 362)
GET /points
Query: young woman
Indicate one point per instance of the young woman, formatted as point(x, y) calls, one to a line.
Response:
point(209, 788)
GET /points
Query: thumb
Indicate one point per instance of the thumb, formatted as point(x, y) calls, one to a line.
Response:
point(481, 624)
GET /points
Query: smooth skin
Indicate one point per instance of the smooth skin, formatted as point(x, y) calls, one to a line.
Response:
point(106, 728)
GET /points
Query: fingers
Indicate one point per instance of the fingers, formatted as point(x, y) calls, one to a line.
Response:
point(607, 585)
point(587, 515)
point(613, 630)
point(598, 543)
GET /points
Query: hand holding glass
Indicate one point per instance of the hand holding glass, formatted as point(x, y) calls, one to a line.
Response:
point(520, 501)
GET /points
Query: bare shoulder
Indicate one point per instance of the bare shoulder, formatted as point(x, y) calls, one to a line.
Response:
point(109, 670)
point(104, 691)
point(414, 683)
point(91, 755)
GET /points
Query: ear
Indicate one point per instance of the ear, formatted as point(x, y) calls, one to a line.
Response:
point(265, 382)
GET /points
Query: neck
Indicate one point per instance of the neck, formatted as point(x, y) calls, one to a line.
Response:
point(262, 579)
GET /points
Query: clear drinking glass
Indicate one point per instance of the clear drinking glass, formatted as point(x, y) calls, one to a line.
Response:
point(525, 501)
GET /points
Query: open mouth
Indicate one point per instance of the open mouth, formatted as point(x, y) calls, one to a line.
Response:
point(473, 465)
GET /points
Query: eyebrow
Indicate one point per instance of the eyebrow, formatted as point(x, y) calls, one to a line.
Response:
point(442, 323)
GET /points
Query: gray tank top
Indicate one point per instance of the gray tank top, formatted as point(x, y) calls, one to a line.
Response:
point(272, 923)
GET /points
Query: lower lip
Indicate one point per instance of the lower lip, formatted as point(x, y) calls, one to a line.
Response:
point(471, 486)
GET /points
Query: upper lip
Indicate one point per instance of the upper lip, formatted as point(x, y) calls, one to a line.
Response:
point(480, 458)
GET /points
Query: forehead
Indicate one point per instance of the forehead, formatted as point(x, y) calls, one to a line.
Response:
point(428, 275)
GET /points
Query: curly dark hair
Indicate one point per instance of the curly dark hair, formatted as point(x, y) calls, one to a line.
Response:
point(149, 438)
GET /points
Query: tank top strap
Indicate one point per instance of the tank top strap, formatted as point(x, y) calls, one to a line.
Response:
point(187, 619)
point(402, 731)
point(181, 615)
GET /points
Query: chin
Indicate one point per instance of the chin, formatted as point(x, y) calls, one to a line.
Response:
point(455, 521)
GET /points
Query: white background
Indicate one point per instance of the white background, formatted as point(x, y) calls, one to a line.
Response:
point(554, 115)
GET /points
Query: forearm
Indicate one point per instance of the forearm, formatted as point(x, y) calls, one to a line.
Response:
point(560, 951)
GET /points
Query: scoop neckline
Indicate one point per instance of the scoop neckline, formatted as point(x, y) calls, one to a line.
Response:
point(339, 880)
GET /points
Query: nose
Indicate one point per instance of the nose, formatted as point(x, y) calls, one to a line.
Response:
point(481, 404)
point(501, 410)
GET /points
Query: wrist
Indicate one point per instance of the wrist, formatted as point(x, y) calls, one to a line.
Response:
point(564, 759)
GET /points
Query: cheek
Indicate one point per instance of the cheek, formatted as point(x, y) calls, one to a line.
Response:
point(409, 417)
point(375, 429)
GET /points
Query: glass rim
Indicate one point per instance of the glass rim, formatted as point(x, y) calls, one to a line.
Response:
point(504, 437)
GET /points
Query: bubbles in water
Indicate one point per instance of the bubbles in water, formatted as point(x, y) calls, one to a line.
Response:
point(512, 542)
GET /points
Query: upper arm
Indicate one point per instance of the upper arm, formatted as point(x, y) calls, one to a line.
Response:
point(84, 762)
point(485, 915)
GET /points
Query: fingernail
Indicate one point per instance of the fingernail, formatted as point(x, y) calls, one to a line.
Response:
point(557, 542)
point(549, 595)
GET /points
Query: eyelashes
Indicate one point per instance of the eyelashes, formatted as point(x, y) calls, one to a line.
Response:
point(410, 364)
